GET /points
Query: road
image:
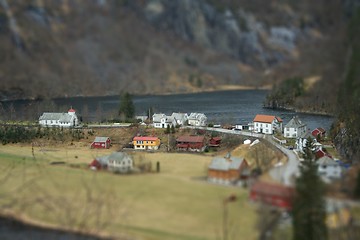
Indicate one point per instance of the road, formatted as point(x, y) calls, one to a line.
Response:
point(284, 174)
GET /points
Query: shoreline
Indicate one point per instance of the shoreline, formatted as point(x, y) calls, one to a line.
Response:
point(221, 88)
point(325, 114)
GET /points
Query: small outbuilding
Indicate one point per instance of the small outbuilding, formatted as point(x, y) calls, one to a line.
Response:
point(318, 133)
point(215, 142)
point(101, 142)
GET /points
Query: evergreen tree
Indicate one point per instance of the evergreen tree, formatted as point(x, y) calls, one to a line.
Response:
point(127, 108)
point(172, 130)
point(167, 130)
point(357, 187)
point(309, 211)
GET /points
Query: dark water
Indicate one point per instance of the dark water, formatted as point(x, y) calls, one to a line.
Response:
point(232, 107)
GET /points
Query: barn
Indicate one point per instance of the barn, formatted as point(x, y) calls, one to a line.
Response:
point(227, 170)
point(272, 194)
point(101, 142)
point(191, 143)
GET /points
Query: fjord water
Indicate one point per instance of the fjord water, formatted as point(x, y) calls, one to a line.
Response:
point(232, 107)
point(239, 106)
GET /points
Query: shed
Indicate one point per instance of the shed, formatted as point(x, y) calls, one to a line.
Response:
point(101, 142)
point(215, 142)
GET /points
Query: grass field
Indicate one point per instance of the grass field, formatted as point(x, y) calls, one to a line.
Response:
point(176, 203)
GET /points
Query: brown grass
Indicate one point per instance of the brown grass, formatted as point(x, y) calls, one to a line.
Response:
point(174, 204)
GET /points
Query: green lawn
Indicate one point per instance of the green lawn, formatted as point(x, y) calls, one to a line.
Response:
point(174, 204)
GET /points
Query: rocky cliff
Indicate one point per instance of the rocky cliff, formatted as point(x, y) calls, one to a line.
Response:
point(99, 47)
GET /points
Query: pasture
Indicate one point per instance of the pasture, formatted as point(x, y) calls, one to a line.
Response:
point(176, 203)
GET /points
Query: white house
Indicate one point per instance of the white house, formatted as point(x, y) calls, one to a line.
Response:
point(301, 141)
point(119, 162)
point(267, 124)
point(197, 119)
point(180, 118)
point(50, 119)
point(160, 120)
point(329, 168)
point(294, 128)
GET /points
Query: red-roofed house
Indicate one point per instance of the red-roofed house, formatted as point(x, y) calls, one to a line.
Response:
point(273, 194)
point(191, 143)
point(319, 133)
point(101, 142)
point(146, 143)
point(321, 153)
point(267, 124)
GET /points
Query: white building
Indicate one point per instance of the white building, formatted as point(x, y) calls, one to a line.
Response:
point(180, 118)
point(267, 124)
point(119, 162)
point(328, 168)
point(301, 141)
point(49, 119)
point(294, 128)
point(197, 119)
point(160, 120)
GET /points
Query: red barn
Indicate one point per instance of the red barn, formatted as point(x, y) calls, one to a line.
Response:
point(101, 142)
point(273, 194)
point(191, 143)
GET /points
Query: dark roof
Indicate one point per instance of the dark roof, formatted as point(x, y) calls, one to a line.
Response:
point(191, 139)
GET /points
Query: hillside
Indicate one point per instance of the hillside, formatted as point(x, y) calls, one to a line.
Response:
point(70, 48)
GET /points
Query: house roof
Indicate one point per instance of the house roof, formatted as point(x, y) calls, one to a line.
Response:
point(191, 139)
point(318, 131)
point(306, 135)
point(71, 110)
point(225, 164)
point(158, 116)
point(266, 118)
point(62, 117)
point(272, 189)
point(145, 138)
point(101, 139)
point(198, 116)
point(215, 139)
point(295, 122)
point(179, 116)
point(119, 156)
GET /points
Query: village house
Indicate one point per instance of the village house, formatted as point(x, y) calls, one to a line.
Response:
point(146, 143)
point(191, 143)
point(227, 170)
point(267, 124)
point(180, 118)
point(101, 142)
point(301, 141)
point(160, 120)
point(120, 162)
point(294, 128)
point(197, 119)
point(52, 119)
point(328, 168)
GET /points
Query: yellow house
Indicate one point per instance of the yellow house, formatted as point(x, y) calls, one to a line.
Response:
point(146, 143)
point(337, 215)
